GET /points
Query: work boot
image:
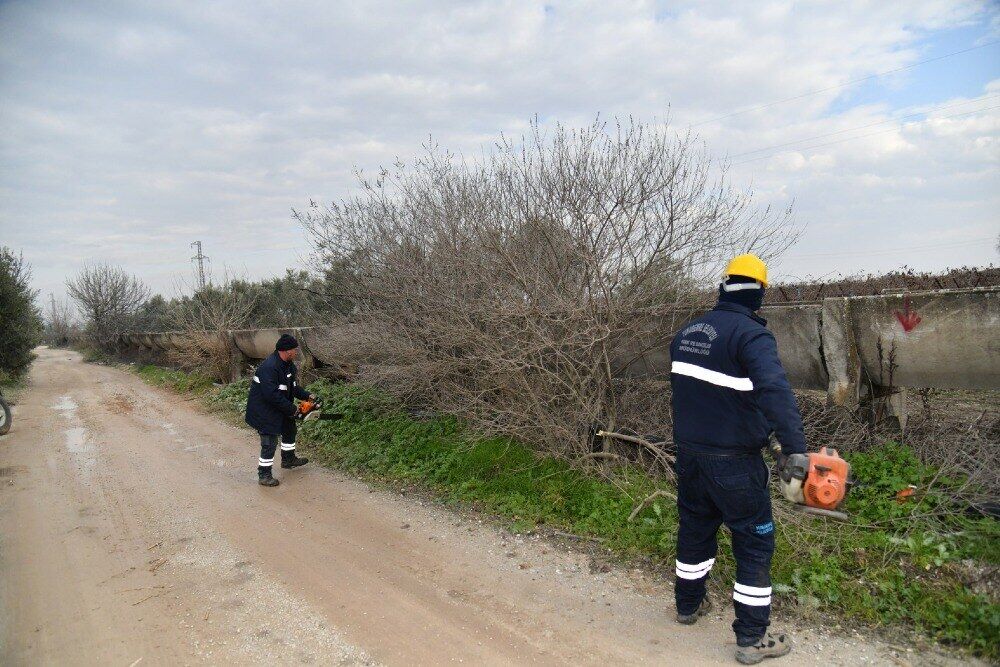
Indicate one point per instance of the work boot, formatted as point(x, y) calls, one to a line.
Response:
point(264, 477)
point(689, 619)
point(292, 461)
point(771, 645)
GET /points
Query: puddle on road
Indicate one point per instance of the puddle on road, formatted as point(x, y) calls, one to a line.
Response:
point(76, 441)
point(82, 450)
point(66, 405)
point(76, 437)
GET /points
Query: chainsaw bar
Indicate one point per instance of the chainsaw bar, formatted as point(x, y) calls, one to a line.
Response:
point(324, 416)
point(819, 511)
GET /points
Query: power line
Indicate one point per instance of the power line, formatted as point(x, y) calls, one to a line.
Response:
point(870, 134)
point(863, 127)
point(852, 82)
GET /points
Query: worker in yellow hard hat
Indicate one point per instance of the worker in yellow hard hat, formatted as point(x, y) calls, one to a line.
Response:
point(729, 395)
point(747, 266)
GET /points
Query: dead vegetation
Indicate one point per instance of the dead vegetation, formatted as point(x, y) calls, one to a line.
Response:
point(893, 282)
point(200, 340)
point(499, 290)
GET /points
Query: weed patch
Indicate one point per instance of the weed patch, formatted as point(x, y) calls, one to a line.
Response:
point(93, 355)
point(194, 383)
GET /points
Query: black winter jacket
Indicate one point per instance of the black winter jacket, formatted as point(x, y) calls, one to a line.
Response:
point(272, 388)
point(729, 388)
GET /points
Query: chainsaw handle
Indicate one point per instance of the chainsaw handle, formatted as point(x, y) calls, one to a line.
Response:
point(779, 457)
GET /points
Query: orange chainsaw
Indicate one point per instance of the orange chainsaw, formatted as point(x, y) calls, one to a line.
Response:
point(312, 409)
point(816, 483)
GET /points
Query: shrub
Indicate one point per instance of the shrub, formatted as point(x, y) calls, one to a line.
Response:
point(20, 320)
point(505, 290)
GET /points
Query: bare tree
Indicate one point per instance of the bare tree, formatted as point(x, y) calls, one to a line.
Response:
point(514, 291)
point(201, 323)
point(108, 298)
point(59, 326)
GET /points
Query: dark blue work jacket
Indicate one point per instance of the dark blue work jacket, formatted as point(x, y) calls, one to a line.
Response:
point(273, 386)
point(729, 388)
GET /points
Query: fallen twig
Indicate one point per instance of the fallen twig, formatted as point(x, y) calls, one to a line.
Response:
point(577, 537)
point(600, 455)
point(648, 499)
point(113, 576)
point(149, 597)
point(140, 588)
point(665, 459)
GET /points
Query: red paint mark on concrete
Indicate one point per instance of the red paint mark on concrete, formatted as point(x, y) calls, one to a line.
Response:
point(908, 318)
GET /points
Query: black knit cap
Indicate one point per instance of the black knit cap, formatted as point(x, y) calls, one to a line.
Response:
point(286, 342)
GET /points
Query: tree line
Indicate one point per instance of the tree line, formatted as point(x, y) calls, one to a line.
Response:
point(106, 301)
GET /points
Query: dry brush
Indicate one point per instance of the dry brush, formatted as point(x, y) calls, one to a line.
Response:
point(502, 290)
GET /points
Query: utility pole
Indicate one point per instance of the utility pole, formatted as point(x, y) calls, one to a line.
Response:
point(200, 258)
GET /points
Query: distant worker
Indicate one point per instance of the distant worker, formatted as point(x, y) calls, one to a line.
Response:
point(730, 394)
point(271, 408)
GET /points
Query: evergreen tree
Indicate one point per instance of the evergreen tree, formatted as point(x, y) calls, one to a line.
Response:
point(20, 319)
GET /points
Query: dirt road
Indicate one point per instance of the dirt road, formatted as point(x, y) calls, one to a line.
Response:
point(132, 532)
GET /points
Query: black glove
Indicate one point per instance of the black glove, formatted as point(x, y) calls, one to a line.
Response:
point(780, 459)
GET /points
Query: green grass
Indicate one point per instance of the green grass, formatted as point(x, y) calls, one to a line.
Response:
point(897, 565)
point(181, 381)
point(12, 385)
point(10, 381)
point(93, 355)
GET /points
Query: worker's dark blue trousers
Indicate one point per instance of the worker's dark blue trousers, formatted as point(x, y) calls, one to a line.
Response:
point(269, 443)
point(716, 489)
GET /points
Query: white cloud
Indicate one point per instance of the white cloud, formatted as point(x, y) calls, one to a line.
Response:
point(139, 126)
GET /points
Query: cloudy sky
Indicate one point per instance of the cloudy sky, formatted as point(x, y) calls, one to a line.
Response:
point(130, 129)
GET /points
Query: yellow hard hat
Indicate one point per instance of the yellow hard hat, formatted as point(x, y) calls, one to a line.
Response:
point(750, 266)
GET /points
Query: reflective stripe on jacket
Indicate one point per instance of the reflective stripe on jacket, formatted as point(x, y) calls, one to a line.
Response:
point(729, 388)
point(273, 386)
